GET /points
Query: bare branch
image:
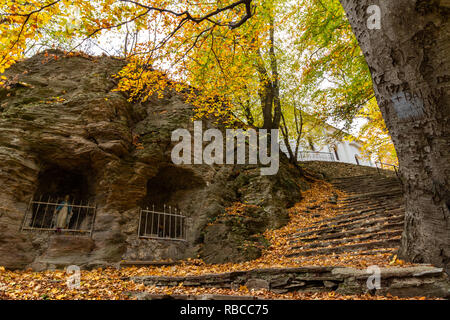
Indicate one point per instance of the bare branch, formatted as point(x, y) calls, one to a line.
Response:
point(207, 17)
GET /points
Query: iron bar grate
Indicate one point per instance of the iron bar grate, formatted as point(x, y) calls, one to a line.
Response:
point(59, 215)
point(168, 224)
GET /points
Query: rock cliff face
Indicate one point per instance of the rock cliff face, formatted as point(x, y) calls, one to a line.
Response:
point(63, 130)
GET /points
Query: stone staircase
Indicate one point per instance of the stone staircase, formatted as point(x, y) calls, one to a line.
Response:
point(371, 220)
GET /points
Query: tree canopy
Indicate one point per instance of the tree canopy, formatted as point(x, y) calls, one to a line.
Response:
point(290, 64)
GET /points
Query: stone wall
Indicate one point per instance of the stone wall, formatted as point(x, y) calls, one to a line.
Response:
point(332, 170)
point(403, 282)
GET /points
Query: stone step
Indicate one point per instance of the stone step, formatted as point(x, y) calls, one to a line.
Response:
point(353, 225)
point(351, 214)
point(371, 194)
point(389, 203)
point(368, 200)
point(346, 240)
point(346, 248)
point(391, 227)
point(380, 190)
point(347, 220)
point(382, 207)
point(374, 252)
point(363, 183)
point(358, 187)
point(364, 177)
point(126, 263)
point(395, 203)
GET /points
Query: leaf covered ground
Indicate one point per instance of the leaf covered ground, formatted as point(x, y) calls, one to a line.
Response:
point(109, 283)
point(101, 284)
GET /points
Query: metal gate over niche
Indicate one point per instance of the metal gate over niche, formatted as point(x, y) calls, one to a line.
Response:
point(59, 215)
point(168, 224)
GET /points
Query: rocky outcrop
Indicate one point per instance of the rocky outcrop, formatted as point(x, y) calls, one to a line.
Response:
point(63, 129)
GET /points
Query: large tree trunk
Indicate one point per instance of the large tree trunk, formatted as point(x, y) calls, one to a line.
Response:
point(409, 58)
point(275, 78)
point(269, 92)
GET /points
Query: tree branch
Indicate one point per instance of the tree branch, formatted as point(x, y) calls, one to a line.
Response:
point(188, 16)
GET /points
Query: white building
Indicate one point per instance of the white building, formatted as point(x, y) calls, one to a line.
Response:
point(340, 151)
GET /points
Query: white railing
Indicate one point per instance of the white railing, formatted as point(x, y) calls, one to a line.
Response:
point(315, 156)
